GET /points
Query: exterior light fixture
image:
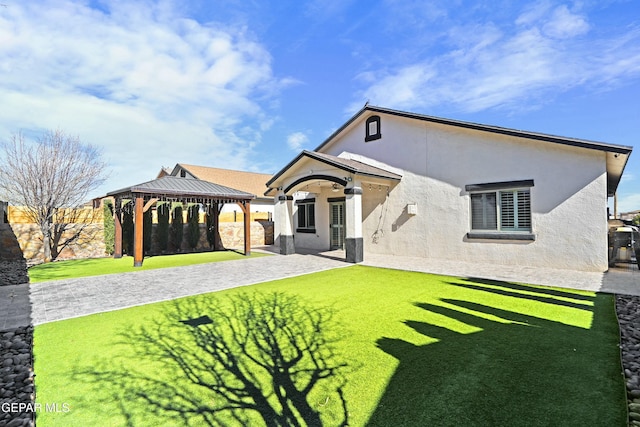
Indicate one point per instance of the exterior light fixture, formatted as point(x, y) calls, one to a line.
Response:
point(335, 188)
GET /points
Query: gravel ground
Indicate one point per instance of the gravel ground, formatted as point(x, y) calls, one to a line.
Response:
point(16, 377)
point(628, 308)
point(13, 272)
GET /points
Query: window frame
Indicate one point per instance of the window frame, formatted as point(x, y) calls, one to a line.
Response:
point(522, 228)
point(372, 136)
point(306, 206)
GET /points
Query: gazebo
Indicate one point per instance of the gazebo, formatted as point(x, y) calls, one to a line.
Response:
point(176, 189)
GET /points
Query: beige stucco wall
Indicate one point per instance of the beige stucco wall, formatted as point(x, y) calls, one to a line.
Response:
point(568, 200)
point(320, 239)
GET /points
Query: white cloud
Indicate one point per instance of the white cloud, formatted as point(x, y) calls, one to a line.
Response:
point(151, 87)
point(297, 140)
point(628, 203)
point(627, 177)
point(564, 24)
point(541, 53)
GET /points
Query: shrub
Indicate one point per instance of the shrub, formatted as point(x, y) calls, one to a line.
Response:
point(147, 229)
point(109, 227)
point(210, 231)
point(193, 228)
point(177, 230)
point(127, 228)
point(162, 232)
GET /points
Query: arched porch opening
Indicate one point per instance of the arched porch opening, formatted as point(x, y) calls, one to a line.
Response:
point(327, 189)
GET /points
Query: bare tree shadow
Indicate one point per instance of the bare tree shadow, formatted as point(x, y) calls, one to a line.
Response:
point(518, 368)
point(248, 359)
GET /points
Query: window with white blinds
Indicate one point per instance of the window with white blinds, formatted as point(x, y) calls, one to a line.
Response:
point(504, 210)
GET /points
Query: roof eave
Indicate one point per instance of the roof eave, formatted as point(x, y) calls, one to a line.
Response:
point(313, 155)
point(576, 142)
point(614, 174)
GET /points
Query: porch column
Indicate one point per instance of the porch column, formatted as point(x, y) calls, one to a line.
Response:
point(117, 220)
point(353, 242)
point(283, 210)
point(138, 251)
point(246, 211)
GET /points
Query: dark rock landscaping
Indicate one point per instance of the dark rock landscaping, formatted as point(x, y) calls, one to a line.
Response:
point(17, 395)
point(13, 272)
point(628, 308)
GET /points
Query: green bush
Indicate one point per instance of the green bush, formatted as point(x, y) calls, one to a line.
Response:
point(177, 229)
point(147, 229)
point(193, 226)
point(127, 228)
point(210, 231)
point(162, 232)
point(109, 227)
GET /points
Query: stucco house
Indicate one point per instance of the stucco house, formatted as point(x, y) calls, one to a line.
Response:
point(399, 183)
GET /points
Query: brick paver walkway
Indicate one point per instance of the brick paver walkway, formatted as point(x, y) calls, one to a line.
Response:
point(62, 299)
point(46, 302)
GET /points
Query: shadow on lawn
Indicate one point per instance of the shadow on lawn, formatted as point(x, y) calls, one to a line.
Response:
point(517, 370)
point(231, 361)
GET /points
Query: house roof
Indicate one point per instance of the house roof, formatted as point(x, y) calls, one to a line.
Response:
point(617, 155)
point(164, 171)
point(173, 186)
point(249, 182)
point(348, 165)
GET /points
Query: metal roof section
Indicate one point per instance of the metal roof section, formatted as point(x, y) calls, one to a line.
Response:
point(184, 187)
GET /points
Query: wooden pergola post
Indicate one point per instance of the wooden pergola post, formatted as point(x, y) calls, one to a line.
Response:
point(138, 223)
point(246, 210)
point(117, 220)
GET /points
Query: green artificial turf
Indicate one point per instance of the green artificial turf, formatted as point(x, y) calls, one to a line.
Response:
point(96, 266)
point(408, 349)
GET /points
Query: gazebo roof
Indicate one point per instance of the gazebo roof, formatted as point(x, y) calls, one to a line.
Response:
point(176, 187)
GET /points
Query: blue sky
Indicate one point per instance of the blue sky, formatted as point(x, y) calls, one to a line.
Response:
point(247, 84)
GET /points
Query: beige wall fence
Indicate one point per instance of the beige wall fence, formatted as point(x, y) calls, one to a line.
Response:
point(21, 238)
point(20, 215)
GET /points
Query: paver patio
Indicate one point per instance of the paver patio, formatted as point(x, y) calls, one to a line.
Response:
point(49, 301)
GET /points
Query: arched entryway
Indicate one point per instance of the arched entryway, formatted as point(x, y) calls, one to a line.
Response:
point(329, 190)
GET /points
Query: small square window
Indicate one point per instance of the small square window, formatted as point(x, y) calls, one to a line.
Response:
point(372, 129)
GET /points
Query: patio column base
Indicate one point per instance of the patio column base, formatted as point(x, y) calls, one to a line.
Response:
point(287, 246)
point(354, 247)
